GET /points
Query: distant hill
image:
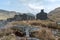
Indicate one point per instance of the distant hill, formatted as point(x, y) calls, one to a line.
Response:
point(6, 14)
point(55, 14)
point(30, 14)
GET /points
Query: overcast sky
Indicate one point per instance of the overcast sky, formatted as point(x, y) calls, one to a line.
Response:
point(29, 6)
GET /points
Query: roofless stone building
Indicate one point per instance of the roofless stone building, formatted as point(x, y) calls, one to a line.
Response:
point(21, 17)
point(42, 15)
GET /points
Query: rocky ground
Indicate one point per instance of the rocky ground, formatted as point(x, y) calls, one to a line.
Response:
point(44, 33)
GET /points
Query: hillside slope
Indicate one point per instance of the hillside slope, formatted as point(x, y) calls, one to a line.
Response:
point(6, 14)
point(55, 14)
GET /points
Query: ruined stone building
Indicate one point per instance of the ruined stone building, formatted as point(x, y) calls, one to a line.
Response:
point(18, 17)
point(21, 17)
point(42, 15)
point(28, 17)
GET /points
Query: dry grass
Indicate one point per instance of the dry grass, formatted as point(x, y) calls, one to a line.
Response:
point(5, 32)
point(9, 37)
point(44, 33)
point(41, 23)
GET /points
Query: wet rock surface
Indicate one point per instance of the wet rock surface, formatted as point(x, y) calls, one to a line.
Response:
point(25, 32)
